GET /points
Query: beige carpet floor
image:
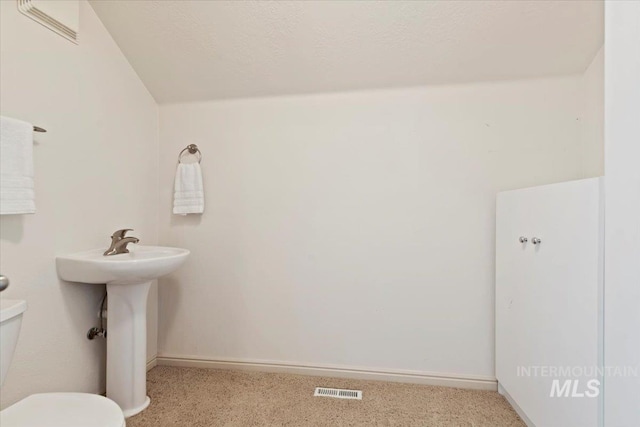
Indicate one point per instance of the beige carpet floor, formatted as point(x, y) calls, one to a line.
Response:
point(208, 397)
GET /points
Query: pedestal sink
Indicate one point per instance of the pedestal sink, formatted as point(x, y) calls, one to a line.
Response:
point(128, 277)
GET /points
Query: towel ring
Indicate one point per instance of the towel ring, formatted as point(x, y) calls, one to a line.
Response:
point(192, 149)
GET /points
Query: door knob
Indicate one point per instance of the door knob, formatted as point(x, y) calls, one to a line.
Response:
point(523, 239)
point(4, 282)
point(536, 241)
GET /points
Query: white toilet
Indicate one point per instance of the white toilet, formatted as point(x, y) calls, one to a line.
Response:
point(48, 409)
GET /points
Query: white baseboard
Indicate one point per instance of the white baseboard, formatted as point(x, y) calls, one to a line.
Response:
point(414, 377)
point(152, 364)
point(515, 406)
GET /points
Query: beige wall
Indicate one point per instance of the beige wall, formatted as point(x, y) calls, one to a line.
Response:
point(96, 170)
point(355, 230)
point(592, 120)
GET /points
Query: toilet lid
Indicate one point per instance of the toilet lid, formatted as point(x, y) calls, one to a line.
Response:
point(63, 410)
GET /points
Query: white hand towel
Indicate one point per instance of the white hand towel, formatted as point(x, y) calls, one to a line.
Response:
point(188, 197)
point(16, 167)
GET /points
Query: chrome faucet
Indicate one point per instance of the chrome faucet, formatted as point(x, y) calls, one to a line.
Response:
point(119, 242)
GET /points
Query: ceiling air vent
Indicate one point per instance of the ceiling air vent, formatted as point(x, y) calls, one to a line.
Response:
point(338, 393)
point(60, 16)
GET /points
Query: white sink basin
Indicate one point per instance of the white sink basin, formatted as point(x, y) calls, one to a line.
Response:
point(128, 277)
point(142, 264)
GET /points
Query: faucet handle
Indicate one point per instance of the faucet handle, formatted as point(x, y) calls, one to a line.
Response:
point(120, 233)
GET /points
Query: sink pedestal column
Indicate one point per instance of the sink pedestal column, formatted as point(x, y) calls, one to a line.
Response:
point(127, 346)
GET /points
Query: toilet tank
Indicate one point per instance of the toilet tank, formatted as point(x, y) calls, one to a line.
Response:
point(10, 320)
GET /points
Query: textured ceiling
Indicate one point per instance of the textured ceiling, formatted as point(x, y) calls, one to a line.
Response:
point(199, 50)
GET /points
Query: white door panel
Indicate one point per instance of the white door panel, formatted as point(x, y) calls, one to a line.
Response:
point(548, 298)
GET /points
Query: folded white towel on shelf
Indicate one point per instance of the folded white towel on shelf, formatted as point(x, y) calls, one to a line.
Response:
point(16, 167)
point(188, 197)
